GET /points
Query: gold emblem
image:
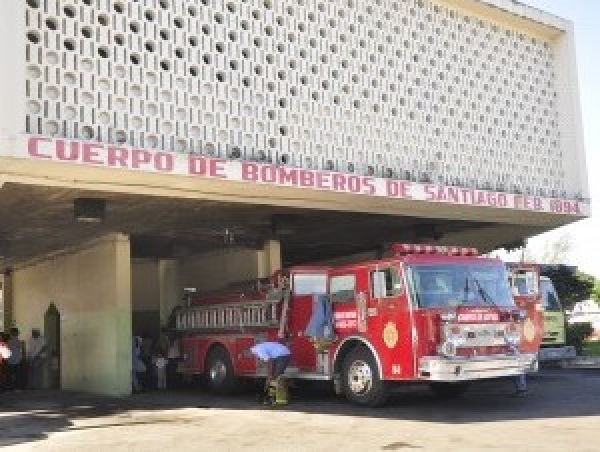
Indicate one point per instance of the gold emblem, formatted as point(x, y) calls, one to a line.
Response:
point(529, 330)
point(390, 335)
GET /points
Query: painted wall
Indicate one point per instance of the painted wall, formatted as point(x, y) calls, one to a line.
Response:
point(217, 269)
point(145, 296)
point(91, 287)
point(155, 291)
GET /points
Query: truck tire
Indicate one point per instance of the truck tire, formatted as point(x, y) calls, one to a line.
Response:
point(361, 382)
point(219, 371)
point(446, 390)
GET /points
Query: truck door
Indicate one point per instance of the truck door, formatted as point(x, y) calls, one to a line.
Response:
point(344, 293)
point(525, 279)
point(554, 317)
point(392, 321)
point(304, 283)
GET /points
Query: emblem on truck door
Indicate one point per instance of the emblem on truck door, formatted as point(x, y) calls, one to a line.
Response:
point(529, 330)
point(390, 334)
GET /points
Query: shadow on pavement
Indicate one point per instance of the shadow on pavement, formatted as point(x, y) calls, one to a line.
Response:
point(32, 416)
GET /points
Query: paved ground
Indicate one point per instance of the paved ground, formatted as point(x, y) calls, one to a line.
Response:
point(562, 413)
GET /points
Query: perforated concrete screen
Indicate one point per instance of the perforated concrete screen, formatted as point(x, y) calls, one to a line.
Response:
point(408, 89)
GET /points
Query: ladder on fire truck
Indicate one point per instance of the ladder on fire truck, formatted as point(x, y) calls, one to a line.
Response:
point(239, 315)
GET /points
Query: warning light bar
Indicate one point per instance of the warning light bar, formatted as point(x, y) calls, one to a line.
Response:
point(407, 248)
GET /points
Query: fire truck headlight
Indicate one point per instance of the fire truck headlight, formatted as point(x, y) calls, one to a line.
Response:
point(512, 338)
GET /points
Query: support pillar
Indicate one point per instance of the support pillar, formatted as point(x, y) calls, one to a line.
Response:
point(90, 287)
point(271, 258)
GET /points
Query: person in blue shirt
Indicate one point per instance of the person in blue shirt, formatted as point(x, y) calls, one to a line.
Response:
point(278, 356)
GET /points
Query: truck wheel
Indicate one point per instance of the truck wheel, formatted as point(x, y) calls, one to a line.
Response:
point(361, 381)
point(219, 371)
point(448, 390)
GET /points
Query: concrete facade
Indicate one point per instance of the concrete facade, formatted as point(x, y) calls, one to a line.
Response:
point(450, 121)
point(91, 288)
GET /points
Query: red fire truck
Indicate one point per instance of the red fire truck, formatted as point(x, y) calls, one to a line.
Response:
point(438, 315)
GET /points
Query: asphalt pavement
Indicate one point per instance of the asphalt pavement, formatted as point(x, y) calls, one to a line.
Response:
point(561, 412)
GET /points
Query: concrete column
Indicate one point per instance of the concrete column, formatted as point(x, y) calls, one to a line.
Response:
point(91, 287)
point(270, 259)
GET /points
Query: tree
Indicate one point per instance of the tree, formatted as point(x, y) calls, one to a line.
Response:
point(571, 286)
point(596, 292)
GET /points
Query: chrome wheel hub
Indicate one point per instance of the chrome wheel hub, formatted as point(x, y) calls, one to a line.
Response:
point(218, 372)
point(360, 377)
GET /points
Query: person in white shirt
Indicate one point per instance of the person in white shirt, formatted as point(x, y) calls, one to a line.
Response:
point(36, 359)
point(4, 351)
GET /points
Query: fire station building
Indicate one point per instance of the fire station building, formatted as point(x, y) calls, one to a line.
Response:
point(152, 145)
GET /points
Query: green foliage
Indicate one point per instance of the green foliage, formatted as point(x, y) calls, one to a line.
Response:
point(570, 286)
point(596, 292)
point(591, 348)
point(577, 333)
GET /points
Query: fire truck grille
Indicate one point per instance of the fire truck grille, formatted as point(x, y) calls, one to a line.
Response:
point(477, 335)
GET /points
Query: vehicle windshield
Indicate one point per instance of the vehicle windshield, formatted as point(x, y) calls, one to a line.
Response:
point(549, 297)
point(446, 285)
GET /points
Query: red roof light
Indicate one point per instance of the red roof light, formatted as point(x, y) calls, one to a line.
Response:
point(408, 248)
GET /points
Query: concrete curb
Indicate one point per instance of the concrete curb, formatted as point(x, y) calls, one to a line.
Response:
point(583, 362)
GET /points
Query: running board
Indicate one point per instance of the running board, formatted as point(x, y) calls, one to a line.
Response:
point(300, 375)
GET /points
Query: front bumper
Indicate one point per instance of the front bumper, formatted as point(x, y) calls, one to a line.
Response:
point(557, 353)
point(439, 368)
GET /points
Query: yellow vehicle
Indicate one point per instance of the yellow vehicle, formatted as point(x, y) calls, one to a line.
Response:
point(554, 347)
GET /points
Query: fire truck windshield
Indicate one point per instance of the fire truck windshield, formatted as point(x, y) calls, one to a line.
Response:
point(445, 285)
point(309, 283)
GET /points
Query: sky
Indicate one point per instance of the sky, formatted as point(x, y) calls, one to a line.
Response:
point(585, 234)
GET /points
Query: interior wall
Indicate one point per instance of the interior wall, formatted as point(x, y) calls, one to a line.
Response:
point(145, 296)
point(155, 291)
point(216, 269)
point(170, 287)
point(350, 259)
point(91, 288)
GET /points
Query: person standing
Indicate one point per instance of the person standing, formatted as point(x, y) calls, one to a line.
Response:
point(36, 359)
point(4, 355)
point(520, 383)
point(137, 365)
point(173, 356)
point(15, 361)
point(161, 370)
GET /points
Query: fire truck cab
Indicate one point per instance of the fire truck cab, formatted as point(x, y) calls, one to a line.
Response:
point(437, 315)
